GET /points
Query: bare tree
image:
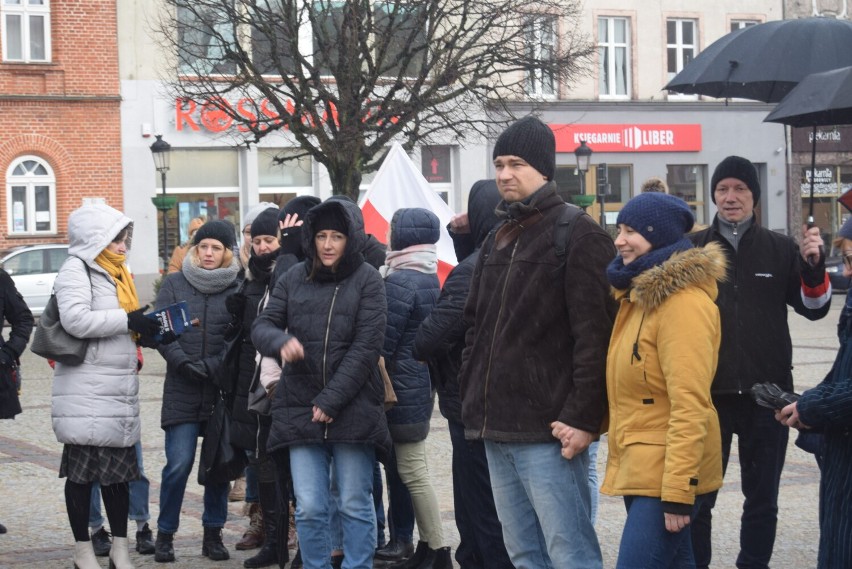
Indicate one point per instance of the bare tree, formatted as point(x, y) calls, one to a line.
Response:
point(347, 77)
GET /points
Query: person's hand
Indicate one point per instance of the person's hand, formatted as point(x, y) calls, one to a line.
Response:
point(146, 327)
point(292, 351)
point(290, 220)
point(676, 522)
point(320, 416)
point(7, 357)
point(460, 223)
point(195, 371)
point(236, 304)
point(789, 416)
point(811, 243)
point(574, 441)
point(168, 337)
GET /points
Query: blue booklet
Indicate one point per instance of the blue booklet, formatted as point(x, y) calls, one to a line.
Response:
point(173, 318)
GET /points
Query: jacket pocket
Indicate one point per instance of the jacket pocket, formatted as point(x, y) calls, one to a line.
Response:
point(643, 459)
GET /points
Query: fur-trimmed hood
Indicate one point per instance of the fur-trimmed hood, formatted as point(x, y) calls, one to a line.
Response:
point(699, 266)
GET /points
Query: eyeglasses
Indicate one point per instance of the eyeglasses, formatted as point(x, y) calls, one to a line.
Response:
point(847, 259)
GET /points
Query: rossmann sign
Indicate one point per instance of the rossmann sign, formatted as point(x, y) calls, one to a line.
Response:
point(629, 137)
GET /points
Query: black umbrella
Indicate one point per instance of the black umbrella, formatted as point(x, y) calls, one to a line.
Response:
point(764, 62)
point(819, 99)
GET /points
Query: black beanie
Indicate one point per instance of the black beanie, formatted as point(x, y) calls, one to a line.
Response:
point(266, 223)
point(662, 219)
point(330, 218)
point(532, 140)
point(298, 205)
point(739, 168)
point(218, 229)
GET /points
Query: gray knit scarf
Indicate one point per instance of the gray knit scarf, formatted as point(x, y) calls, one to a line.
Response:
point(208, 281)
point(422, 258)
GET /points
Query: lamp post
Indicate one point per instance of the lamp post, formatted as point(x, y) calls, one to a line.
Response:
point(583, 154)
point(160, 151)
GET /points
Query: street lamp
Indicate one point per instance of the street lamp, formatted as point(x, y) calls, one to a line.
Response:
point(160, 150)
point(583, 154)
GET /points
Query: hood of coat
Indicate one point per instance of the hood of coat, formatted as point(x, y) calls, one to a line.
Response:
point(700, 266)
point(413, 226)
point(356, 239)
point(92, 227)
point(483, 200)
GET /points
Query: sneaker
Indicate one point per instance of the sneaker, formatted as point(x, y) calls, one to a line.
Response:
point(101, 542)
point(145, 541)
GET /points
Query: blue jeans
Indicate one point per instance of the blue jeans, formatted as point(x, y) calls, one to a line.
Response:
point(138, 496)
point(645, 542)
point(311, 467)
point(593, 479)
point(379, 505)
point(181, 442)
point(252, 493)
point(544, 504)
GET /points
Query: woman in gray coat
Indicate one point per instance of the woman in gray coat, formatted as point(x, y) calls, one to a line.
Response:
point(95, 405)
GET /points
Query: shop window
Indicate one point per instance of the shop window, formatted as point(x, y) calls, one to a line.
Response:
point(292, 173)
point(620, 182)
point(686, 181)
point(568, 182)
point(26, 30)
point(201, 170)
point(30, 197)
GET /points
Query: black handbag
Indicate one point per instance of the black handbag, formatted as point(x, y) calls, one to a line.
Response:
point(52, 341)
point(220, 460)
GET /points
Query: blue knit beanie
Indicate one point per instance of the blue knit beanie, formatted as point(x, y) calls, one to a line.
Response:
point(846, 229)
point(662, 219)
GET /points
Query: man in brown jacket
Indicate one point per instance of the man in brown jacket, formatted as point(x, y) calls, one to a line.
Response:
point(535, 357)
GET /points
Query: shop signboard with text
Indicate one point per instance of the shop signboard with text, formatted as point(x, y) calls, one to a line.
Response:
point(629, 137)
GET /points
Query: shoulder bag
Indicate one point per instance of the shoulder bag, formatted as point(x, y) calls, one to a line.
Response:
point(52, 341)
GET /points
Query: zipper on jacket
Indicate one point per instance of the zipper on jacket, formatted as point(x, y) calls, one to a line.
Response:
point(204, 329)
point(325, 350)
point(494, 336)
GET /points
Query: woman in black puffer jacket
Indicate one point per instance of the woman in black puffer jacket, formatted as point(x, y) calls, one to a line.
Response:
point(325, 320)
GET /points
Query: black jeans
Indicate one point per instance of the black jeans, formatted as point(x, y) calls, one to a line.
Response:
point(762, 445)
point(481, 535)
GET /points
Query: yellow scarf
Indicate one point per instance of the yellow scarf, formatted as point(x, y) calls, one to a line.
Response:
point(113, 264)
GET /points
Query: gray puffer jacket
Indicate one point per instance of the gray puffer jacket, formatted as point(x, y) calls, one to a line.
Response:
point(340, 320)
point(95, 403)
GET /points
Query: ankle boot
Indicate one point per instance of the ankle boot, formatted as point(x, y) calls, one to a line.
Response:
point(164, 549)
point(84, 556)
point(119, 558)
point(253, 537)
point(212, 547)
point(421, 555)
point(441, 560)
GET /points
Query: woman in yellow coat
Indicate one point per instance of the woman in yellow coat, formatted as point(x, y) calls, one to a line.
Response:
point(664, 443)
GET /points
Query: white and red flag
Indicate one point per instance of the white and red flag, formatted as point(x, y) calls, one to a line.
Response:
point(399, 184)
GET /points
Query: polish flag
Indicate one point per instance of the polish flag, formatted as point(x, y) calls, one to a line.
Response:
point(399, 184)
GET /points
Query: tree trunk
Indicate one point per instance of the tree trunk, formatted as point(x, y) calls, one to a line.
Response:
point(345, 180)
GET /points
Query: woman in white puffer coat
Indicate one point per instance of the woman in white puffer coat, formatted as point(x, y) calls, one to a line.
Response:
point(95, 405)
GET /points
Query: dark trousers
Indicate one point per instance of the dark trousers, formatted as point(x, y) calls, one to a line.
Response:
point(762, 445)
point(400, 509)
point(481, 535)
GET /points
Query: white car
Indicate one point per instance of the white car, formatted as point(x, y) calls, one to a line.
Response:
point(34, 268)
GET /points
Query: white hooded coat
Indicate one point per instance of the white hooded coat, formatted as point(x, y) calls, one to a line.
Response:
point(95, 403)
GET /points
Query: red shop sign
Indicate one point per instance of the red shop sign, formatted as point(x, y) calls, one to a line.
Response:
point(629, 137)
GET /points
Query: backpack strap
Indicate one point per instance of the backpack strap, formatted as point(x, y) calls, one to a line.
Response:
point(564, 228)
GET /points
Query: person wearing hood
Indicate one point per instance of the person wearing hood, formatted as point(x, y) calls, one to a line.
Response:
point(208, 277)
point(95, 405)
point(412, 288)
point(439, 342)
point(325, 321)
point(664, 442)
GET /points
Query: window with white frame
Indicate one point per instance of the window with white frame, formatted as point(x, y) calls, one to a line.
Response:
point(403, 26)
point(204, 35)
point(540, 35)
point(26, 30)
point(614, 57)
point(681, 44)
point(740, 24)
point(30, 197)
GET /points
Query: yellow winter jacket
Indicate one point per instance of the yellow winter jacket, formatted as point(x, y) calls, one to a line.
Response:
point(664, 436)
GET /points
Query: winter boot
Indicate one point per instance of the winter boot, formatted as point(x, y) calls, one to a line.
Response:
point(145, 541)
point(238, 490)
point(270, 552)
point(164, 548)
point(421, 555)
point(253, 537)
point(442, 560)
point(119, 558)
point(213, 548)
point(101, 542)
point(84, 556)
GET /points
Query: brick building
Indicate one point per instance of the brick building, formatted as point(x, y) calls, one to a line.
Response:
point(59, 115)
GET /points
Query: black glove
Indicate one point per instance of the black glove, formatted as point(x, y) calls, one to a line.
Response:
point(168, 337)
point(146, 327)
point(7, 357)
point(147, 342)
point(771, 396)
point(236, 304)
point(196, 371)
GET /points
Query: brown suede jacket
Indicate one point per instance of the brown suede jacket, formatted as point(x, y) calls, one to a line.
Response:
point(539, 330)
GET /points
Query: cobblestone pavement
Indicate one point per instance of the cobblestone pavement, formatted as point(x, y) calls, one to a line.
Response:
point(32, 504)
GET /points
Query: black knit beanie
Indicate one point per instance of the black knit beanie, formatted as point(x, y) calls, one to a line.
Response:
point(298, 205)
point(739, 168)
point(532, 140)
point(662, 219)
point(217, 229)
point(266, 223)
point(331, 218)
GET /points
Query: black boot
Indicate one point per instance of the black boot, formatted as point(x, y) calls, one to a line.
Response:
point(421, 555)
point(441, 560)
point(164, 549)
point(297, 560)
point(269, 551)
point(212, 547)
point(145, 541)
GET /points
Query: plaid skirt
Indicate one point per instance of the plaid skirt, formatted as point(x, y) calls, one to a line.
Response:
point(84, 463)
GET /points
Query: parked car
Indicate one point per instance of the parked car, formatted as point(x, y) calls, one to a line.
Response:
point(834, 268)
point(34, 268)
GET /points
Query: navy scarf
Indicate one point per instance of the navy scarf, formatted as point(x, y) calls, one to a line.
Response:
point(621, 276)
